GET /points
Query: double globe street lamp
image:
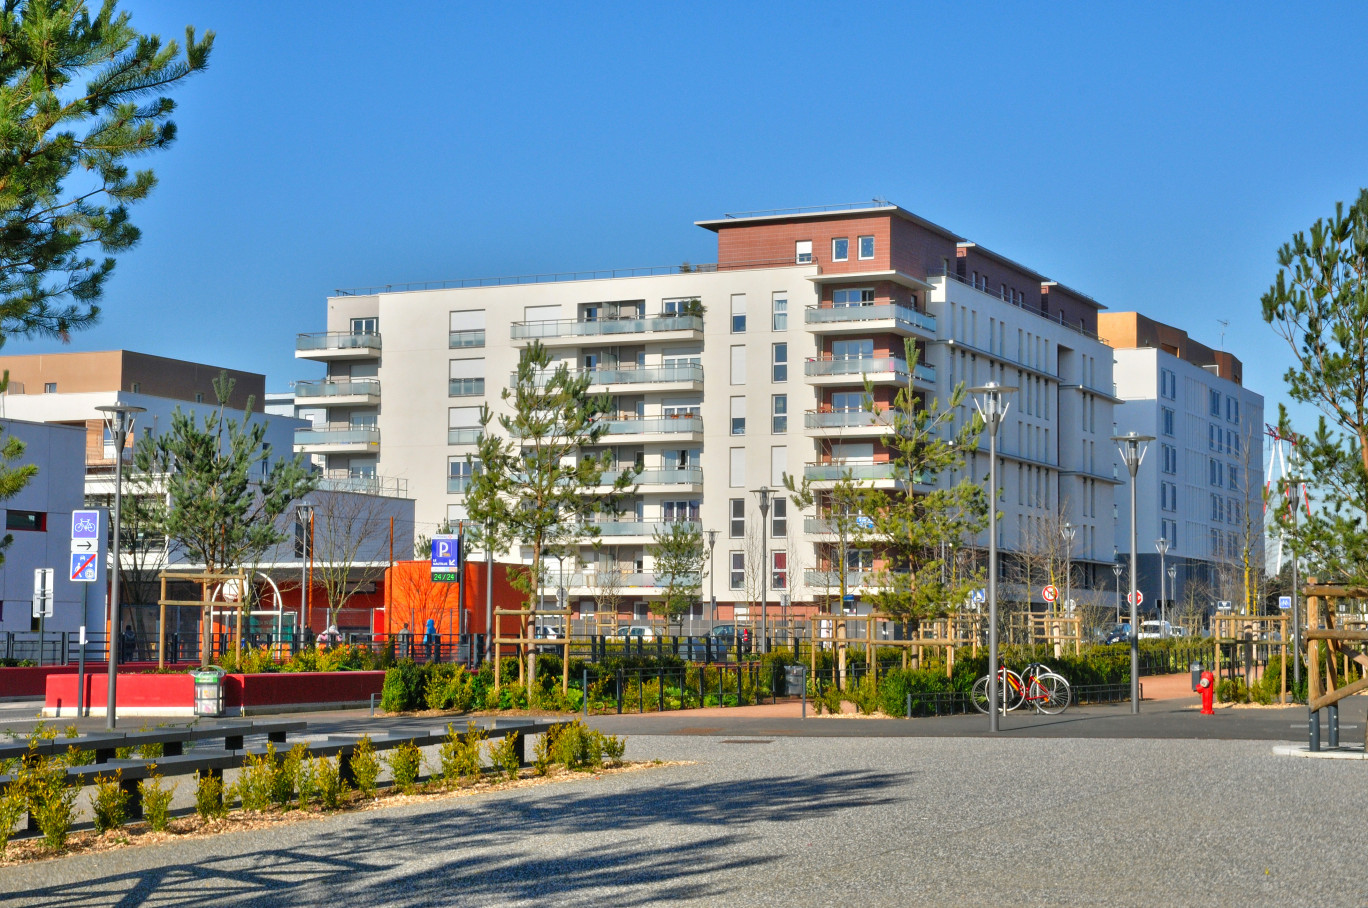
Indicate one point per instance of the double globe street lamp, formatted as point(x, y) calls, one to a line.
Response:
point(1132, 446)
point(988, 400)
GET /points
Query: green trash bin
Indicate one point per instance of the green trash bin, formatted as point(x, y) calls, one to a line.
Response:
point(209, 691)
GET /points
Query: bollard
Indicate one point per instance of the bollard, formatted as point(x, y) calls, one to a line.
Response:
point(619, 691)
point(804, 692)
point(584, 686)
point(372, 702)
point(1333, 724)
point(909, 706)
point(1313, 731)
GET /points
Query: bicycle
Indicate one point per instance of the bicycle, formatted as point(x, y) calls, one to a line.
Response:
point(1046, 691)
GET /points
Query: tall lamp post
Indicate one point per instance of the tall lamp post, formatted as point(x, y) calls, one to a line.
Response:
point(304, 516)
point(1161, 545)
point(764, 493)
point(120, 417)
point(1172, 575)
point(1132, 447)
point(712, 575)
point(1068, 531)
point(993, 408)
point(1116, 570)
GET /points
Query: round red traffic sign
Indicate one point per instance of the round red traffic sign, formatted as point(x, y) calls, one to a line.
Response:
point(1050, 593)
point(1135, 598)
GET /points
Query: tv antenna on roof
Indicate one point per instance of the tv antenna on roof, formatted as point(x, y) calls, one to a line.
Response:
point(1224, 323)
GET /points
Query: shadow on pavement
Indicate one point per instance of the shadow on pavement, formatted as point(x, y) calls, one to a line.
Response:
point(483, 851)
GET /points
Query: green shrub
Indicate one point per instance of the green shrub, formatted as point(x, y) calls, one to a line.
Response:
point(256, 782)
point(209, 802)
point(156, 800)
point(405, 765)
point(459, 754)
point(285, 776)
point(12, 807)
point(51, 801)
point(505, 755)
point(613, 748)
point(110, 803)
point(1232, 691)
point(327, 775)
point(403, 687)
point(575, 746)
point(365, 766)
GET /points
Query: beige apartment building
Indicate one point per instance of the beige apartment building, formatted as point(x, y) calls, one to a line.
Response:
point(799, 309)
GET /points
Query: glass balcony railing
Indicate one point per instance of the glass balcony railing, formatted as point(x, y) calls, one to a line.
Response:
point(458, 485)
point(311, 390)
point(828, 472)
point(856, 366)
point(467, 387)
point(351, 435)
point(605, 326)
point(922, 321)
point(655, 425)
point(685, 476)
point(337, 340)
point(832, 579)
point(461, 339)
point(925, 372)
point(840, 419)
point(635, 375)
point(611, 528)
point(463, 436)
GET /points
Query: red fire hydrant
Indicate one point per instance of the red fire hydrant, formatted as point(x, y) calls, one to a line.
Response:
point(1207, 687)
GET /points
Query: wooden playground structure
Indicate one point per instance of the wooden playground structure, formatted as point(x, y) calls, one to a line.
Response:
point(830, 629)
point(209, 585)
point(1051, 629)
point(1324, 625)
point(526, 638)
point(1249, 631)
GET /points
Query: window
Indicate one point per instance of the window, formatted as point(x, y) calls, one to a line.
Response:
point(50, 387)
point(779, 575)
point(779, 320)
point(1215, 506)
point(803, 252)
point(862, 296)
point(859, 559)
point(1170, 464)
point(199, 397)
point(1232, 410)
point(840, 249)
point(738, 364)
point(778, 517)
point(365, 325)
point(678, 511)
point(136, 387)
point(1215, 474)
point(847, 401)
point(779, 417)
point(1232, 477)
point(866, 247)
point(738, 313)
point(1168, 496)
point(1215, 403)
point(1169, 530)
point(738, 416)
point(861, 348)
point(1213, 437)
point(779, 370)
point(737, 521)
point(1166, 418)
point(31, 521)
point(738, 570)
point(1168, 384)
point(737, 473)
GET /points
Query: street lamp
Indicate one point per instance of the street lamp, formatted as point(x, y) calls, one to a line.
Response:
point(304, 516)
point(1161, 545)
point(1068, 531)
point(712, 574)
point(1132, 447)
point(1117, 569)
point(764, 493)
point(120, 417)
point(1172, 575)
point(991, 406)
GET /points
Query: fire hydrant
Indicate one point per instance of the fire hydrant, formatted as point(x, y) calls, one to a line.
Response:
point(1207, 688)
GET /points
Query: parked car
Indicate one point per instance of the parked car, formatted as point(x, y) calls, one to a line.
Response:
point(728, 638)
point(1155, 630)
point(1178, 631)
point(545, 632)
point(631, 632)
point(1118, 633)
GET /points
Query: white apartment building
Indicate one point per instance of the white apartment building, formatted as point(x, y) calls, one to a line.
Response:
point(1200, 484)
point(799, 308)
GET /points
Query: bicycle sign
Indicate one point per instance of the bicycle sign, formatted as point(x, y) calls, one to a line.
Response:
point(85, 525)
point(1050, 593)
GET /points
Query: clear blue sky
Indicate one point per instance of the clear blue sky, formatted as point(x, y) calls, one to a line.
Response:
point(1153, 156)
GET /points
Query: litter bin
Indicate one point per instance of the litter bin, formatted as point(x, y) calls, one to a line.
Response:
point(209, 691)
point(1196, 674)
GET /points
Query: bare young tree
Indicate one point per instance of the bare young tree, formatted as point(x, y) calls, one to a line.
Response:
point(350, 534)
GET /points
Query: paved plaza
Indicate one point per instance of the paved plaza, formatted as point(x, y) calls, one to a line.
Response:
point(1065, 811)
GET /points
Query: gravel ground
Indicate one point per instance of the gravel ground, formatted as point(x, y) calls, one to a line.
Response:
point(799, 822)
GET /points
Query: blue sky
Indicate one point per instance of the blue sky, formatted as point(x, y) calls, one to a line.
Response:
point(1153, 156)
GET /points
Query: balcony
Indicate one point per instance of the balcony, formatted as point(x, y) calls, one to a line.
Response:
point(675, 377)
point(465, 435)
point(846, 423)
point(570, 332)
point(624, 582)
point(333, 345)
point(344, 440)
point(877, 475)
point(825, 526)
point(675, 480)
point(363, 392)
point(656, 428)
point(889, 317)
point(634, 530)
point(466, 387)
point(856, 369)
point(461, 340)
point(363, 483)
point(458, 485)
point(831, 580)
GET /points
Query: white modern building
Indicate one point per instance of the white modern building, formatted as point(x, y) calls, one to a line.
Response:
point(800, 307)
point(1200, 486)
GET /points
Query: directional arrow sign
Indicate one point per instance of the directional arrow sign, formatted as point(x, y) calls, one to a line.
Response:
point(80, 546)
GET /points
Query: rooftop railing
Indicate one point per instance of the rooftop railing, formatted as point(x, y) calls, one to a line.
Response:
point(368, 484)
point(1058, 320)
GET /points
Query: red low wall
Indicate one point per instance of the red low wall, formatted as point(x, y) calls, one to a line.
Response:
point(173, 694)
point(31, 680)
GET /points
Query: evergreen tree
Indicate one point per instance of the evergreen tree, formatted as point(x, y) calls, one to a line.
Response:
point(52, 127)
point(13, 477)
point(681, 561)
point(1318, 303)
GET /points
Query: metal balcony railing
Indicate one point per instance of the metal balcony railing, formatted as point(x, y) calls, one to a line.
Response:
point(357, 387)
point(609, 528)
point(839, 419)
point(466, 387)
point(460, 339)
point(600, 327)
point(634, 375)
point(832, 579)
point(856, 366)
point(684, 476)
point(923, 321)
point(655, 425)
point(337, 340)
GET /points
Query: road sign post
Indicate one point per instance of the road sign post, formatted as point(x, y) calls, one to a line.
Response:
point(42, 603)
point(1284, 602)
point(446, 558)
point(1050, 593)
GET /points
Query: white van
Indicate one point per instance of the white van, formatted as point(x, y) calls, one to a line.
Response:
point(1155, 630)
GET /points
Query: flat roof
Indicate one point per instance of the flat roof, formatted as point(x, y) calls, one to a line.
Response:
point(825, 213)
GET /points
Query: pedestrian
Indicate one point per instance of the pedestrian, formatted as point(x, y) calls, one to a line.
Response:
point(309, 638)
point(430, 638)
point(333, 634)
point(130, 643)
point(405, 640)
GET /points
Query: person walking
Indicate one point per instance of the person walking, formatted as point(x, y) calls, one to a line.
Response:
point(405, 640)
point(129, 642)
point(430, 642)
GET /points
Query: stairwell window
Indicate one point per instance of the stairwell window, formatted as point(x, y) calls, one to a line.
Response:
point(779, 368)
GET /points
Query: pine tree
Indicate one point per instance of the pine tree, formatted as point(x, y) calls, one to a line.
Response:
point(681, 561)
point(52, 129)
